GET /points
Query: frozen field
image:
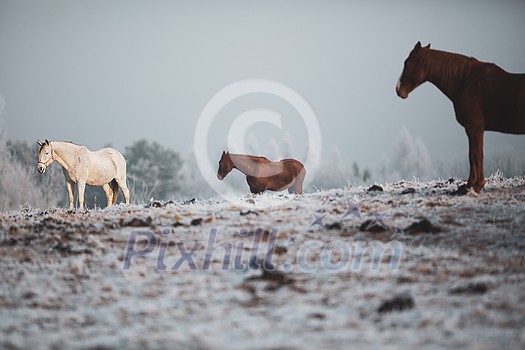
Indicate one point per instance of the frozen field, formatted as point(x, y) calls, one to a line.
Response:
point(408, 267)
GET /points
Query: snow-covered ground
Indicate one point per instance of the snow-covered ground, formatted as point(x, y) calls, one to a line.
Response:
point(407, 267)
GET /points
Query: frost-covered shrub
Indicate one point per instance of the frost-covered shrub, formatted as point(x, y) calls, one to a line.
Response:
point(334, 172)
point(410, 158)
point(508, 161)
point(18, 185)
point(192, 183)
point(153, 171)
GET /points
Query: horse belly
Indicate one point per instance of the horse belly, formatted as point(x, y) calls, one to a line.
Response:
point(99, 178)
point(287, 173)
point(279, 182)
point(507, 116)
point(504, 106)
point(101, 174)
point(507, 124)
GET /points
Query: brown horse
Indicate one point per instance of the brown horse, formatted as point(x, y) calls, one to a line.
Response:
point(263, 174)
point(485, 97)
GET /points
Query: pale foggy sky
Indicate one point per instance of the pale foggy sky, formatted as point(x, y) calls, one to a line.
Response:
point(98, 72)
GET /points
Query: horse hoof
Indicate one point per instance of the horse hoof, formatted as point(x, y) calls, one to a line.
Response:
point(461, 191)
point(478, 189)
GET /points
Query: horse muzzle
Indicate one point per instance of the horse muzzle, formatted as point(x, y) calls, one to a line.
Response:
point(41, 168)
point(402, 94)
point(401, 91)
point(220, 177)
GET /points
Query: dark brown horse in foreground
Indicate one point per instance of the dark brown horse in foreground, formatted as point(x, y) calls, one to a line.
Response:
point(263, 174)
point(485, 97)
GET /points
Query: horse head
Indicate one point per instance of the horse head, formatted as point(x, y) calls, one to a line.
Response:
point(45, 156)
point(225, 165)
point(413, 73)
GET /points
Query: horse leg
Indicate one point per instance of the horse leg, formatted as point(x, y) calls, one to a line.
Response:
point(109, 193)
point(71, 193)
point(122, 184)
point(254, 187)
point(476, 176)
point(114, 186)
point(297, 186)
point(302, 175)
point(481, 170)
point(81, 188)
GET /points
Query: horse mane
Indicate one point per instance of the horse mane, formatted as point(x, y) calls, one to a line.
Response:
point(448, 65)
point(71, 142)
point(257, 159)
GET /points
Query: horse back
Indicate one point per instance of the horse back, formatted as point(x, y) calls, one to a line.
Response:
point(502, 98)
point(296, 166)
point(109, 152)
point(261, 160)
point(110, 156)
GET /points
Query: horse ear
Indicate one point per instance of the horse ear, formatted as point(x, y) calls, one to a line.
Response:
point(418, 45)
point(47, 142)
point(39, 143)
point(223, 152)
point(428, 46)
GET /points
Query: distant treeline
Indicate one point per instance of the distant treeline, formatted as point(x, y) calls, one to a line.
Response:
point(157, 172)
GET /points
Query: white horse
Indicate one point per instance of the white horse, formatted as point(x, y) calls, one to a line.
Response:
point(105, 167)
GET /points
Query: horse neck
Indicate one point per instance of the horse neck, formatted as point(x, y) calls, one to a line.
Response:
point(245, 164)
point(64, 153)
point(446, 70)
